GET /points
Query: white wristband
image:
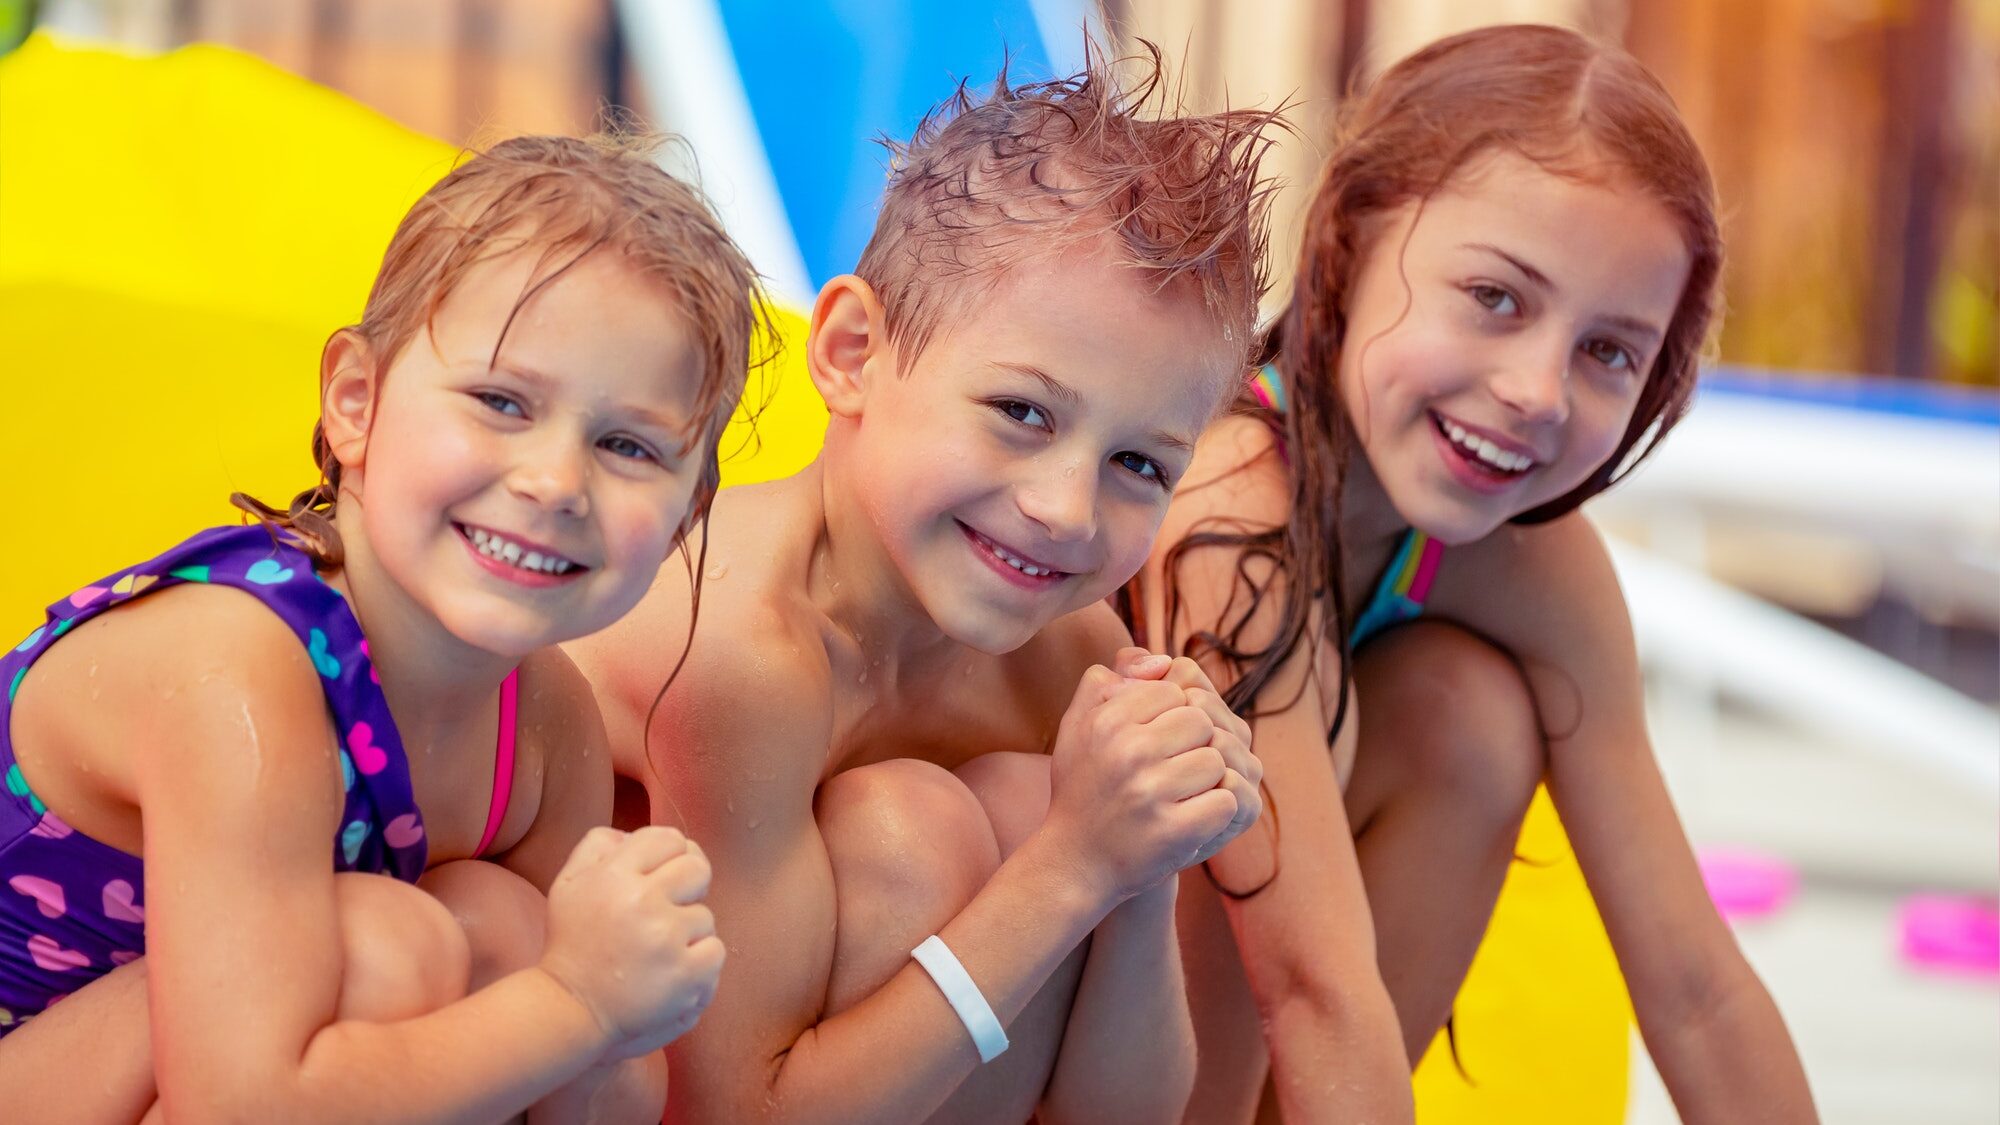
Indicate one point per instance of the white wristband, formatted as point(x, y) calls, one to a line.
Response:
point(963, 996)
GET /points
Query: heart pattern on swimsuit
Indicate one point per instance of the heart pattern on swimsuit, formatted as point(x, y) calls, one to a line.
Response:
point(351, 839)
point(190, 573)
point(32, 638)
point(369, 758)
point(133, 584)
point(404, 831)
point(53, 957)
point(18, 786)
point(268, 572)
point(48, 895)
point(327, 663)
point(50, 827)
point(87, 595)
point(118, 904)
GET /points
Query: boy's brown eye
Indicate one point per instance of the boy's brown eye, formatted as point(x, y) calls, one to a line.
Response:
point(1025, 413)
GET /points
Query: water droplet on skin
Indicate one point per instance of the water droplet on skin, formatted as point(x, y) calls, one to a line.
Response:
point(1069, 471)
point(716, 572)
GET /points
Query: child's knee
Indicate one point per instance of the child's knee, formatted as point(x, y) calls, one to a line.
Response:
point(906, 826)
point(404, 954)
point(1464, 716)
point(505, 919)
point(1013, 788)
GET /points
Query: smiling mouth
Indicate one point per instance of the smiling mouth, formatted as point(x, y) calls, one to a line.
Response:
point(493, 546)
point(1011, 564)
point(1482, 454)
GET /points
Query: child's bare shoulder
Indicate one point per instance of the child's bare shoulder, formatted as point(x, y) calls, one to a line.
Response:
point(191, 632)
point(192, 657)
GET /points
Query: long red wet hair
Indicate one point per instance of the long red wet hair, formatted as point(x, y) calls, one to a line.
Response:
point(1575, 106)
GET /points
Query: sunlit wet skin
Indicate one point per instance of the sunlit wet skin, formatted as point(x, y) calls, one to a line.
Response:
point(402, 955)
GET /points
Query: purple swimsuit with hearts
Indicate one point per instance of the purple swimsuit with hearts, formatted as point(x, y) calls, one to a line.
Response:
point(73, 908)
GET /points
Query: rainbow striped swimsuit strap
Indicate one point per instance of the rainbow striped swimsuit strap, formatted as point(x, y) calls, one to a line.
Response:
point(1400, 595)
point(1267, 388)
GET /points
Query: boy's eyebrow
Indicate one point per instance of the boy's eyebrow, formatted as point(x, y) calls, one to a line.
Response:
point(1056, 386)
point(1629, 323)
point(1063, 391)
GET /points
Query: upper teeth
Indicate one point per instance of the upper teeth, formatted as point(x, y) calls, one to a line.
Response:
point(512, 553)
point(1018, 563)
point(1485, 450)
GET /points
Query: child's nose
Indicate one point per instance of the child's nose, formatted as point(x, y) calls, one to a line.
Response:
point(1535, 383)
point(1062, 498)
point(555, 474)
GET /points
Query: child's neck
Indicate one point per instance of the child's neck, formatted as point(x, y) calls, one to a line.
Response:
point(852, 581)
point(434, 682)
point(1370, 529)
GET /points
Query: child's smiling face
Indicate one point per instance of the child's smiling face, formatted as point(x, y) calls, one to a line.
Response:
point(1021, 466)
point(1497, 340)
point(530, 500)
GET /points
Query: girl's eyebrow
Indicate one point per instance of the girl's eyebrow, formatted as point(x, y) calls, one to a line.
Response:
point(645, 415)
point(1638, 327)
point(1531, 273)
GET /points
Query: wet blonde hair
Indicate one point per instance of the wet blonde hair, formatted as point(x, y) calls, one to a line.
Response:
point(566, 198)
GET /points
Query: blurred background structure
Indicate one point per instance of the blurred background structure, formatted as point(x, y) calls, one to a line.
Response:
point(1813, 559)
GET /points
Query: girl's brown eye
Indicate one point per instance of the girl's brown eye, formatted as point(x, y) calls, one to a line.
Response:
point(1494, 299)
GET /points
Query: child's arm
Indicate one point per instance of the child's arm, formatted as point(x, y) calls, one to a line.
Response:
point(740, 744)
point(239, 786)
point(1708, 1022)
point(1306, 937)
point(576, 797)
point(1128, 1048)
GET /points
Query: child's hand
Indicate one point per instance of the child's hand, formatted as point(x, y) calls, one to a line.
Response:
point(1245, 774)
point(629, 938)
point(1135, 780)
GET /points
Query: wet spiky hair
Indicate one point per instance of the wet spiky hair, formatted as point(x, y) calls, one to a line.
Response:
point(1029, 170)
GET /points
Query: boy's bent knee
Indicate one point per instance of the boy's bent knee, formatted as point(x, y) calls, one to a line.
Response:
point(403, 952)
point(907, 826)
point(1013, 788)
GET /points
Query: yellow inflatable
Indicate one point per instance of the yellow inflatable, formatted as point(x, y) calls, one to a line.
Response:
point(178, 235)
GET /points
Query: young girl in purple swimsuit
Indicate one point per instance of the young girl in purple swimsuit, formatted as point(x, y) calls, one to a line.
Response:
point(519, 431)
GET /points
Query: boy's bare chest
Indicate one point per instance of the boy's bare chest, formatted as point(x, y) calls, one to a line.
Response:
point(944, 723)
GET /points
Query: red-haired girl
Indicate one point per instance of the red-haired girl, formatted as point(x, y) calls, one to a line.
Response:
point(1509, 271)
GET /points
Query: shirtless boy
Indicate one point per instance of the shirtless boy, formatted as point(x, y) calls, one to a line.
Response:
point(907, 711)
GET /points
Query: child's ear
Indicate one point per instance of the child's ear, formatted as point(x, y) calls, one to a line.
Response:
point(849, 342)
point(347, 381)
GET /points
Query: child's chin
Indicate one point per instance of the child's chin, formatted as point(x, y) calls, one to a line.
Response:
point(991, 634)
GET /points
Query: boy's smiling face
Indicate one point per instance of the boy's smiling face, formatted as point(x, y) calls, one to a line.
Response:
point(1021, 466)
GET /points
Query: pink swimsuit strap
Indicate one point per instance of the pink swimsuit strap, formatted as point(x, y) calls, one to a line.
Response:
point(503, 763)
